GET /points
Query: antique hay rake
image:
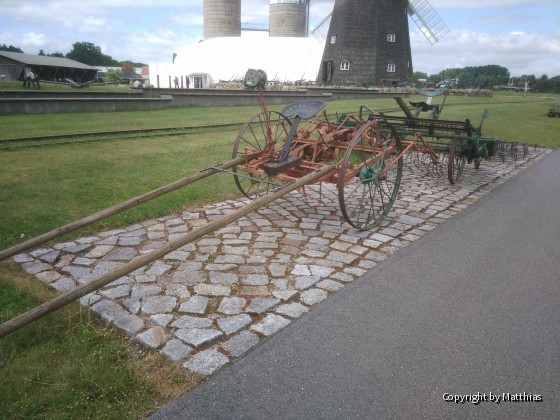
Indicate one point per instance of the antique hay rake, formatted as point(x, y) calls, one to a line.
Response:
point(368, 150)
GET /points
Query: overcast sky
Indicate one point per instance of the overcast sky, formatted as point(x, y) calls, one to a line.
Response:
point(521, 35)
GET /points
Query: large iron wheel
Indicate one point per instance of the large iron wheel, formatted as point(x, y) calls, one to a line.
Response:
point(370, 174)
point(264, 135)
point(456, 162)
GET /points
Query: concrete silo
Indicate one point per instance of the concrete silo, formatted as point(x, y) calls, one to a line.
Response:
point(288, 18)
point(222, 18)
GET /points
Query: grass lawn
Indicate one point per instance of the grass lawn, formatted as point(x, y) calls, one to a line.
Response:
point(69, 366)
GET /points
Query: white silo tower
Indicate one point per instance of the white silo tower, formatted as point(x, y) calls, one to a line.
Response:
point(221, 18)
point(289, 18)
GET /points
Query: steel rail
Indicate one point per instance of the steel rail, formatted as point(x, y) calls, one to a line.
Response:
point(116, 133)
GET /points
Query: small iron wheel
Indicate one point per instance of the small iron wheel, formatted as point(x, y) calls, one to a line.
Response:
point(370, 174)
point(455, 162)
point(256, 135)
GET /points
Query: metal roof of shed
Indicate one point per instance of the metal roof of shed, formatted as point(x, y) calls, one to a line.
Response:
point(44, 60)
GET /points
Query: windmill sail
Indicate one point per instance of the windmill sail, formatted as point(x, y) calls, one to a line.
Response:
point(321, 31)
point(427, 20)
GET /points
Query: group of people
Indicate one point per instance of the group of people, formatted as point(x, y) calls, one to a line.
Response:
point(30, 80)
point(176, 82)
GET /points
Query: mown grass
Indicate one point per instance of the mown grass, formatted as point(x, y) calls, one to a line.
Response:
point(46, 187)
point(67, 365)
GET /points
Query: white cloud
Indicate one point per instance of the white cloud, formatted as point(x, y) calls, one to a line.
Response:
point(475, 4)
point(519, 53)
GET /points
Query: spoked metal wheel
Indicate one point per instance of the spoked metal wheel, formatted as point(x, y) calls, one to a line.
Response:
point(456, 162)
point(370, 174)
point(259, 138)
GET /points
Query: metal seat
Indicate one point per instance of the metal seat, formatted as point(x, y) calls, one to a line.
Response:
point(304, 109)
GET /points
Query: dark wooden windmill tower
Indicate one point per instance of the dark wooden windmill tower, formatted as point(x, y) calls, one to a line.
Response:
point(368, 41)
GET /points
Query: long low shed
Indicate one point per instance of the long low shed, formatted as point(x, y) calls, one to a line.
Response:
point(13, 66)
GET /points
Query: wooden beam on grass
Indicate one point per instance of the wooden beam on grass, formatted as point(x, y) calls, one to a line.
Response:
point(140, 261)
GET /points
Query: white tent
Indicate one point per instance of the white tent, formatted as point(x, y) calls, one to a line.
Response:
point(225, 59)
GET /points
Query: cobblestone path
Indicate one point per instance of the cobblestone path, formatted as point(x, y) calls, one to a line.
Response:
point(209, 302)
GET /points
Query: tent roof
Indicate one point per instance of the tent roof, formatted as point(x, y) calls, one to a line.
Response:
point(228, 58)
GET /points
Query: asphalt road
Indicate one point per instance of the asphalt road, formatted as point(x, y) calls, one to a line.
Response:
point(472, 307)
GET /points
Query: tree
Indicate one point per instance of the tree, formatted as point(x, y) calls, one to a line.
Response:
point(11, 48)
point(127, 67)
point(88, 53)
point(418, 75)
point(114, 75)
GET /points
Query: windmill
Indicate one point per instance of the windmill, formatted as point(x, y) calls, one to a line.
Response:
point(368, 41)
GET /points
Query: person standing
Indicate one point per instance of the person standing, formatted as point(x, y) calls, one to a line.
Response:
point(30, 79)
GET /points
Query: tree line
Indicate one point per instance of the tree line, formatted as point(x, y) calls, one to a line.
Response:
point(490, 76)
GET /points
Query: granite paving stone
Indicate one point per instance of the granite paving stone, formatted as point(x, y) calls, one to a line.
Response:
point(293, 310)
point(233, 323)
point(219, 277)
point(313, 296)
point(129, 324)
point(256, 280)
point(304, 282)
point(198, 336)
point(153, 338)
point(142, 292)
point(48, 276)
point(330, 285)
point(64, 284)
point(232, 305)
point(158, 304)
point(270, 324)
point(259, 305)
point(284, 294)
point(116, 292)
point(212, 290)
point(162, 319)
point(99, 251)
point(195, 305)
point(206, 362)
point(176, 350)
point(178, 290)
point(35, 267)
point(50, 257)
point(186, 321)
point(255, 290)
point(108, 310)
point(240, 343)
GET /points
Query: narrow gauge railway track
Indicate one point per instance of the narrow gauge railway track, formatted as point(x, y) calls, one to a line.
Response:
point(57, 139)
point(70, 138)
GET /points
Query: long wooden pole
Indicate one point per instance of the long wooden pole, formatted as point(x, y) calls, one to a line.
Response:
point(24, 246)
point(68, 297)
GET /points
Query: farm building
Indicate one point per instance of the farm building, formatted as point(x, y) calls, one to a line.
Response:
point(14, 66)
